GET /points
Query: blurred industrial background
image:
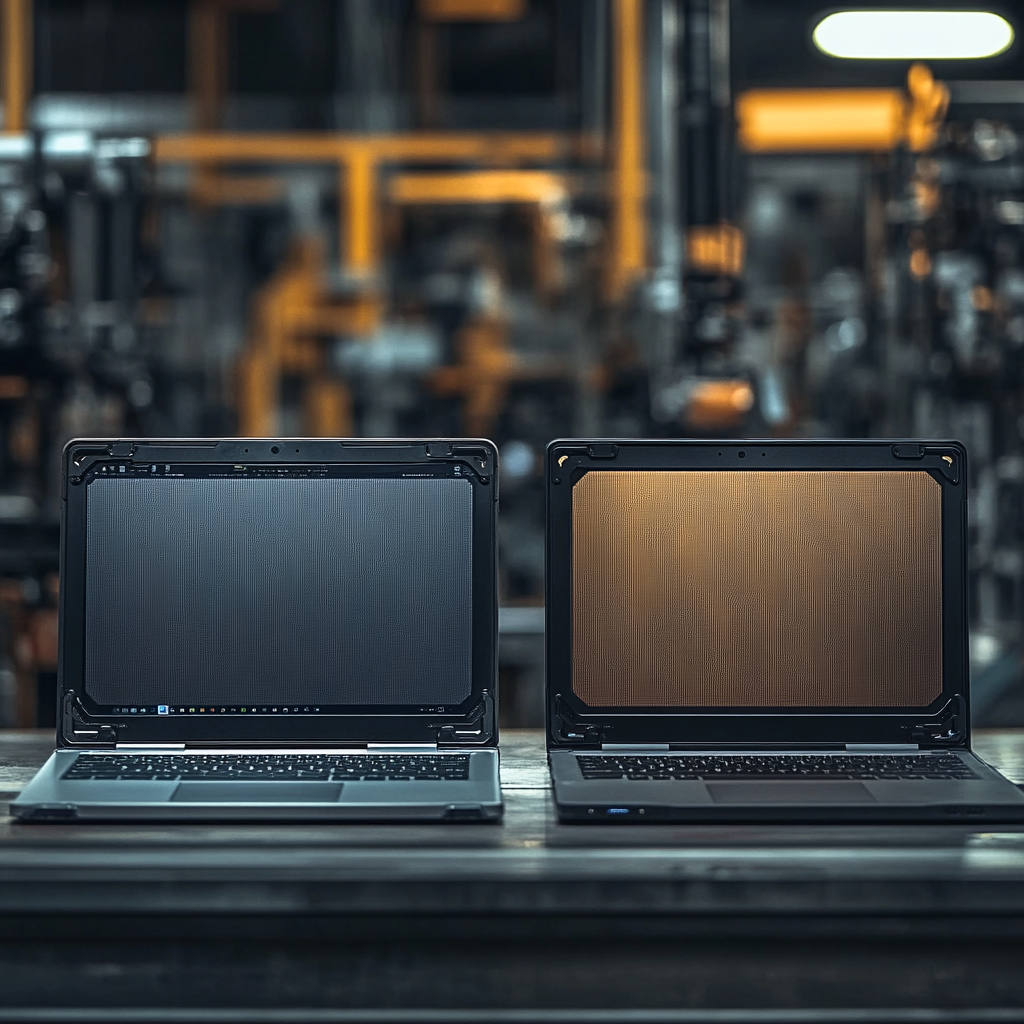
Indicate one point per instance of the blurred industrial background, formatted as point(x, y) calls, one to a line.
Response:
point(513, 218)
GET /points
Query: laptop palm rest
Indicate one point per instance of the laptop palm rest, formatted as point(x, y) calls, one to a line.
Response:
point(257, 792)
point(789, 792)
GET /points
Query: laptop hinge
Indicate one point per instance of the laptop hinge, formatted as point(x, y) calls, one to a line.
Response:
point(98, 735)
point(881, 748)
point(149, 746)
point(401, 748)
point(571, 729)
point(476, 727)
point(947, 729)
point(634, 746)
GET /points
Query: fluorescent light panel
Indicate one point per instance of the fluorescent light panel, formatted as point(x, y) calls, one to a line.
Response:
point(913, 35)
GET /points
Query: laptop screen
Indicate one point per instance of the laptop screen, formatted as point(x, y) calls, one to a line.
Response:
point(276, 589)
point(758, 589)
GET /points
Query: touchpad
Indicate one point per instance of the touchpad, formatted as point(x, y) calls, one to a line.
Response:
point(790, 792)
point(257, 792)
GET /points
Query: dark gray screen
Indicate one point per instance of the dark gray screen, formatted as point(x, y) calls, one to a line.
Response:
point(302, 590)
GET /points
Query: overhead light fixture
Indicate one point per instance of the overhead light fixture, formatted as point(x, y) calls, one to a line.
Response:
point(913, 35)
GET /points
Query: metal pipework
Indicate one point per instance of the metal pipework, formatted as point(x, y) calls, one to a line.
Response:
point(843, 120)
point(359, 158)
point(628, 187)
point(16, 40)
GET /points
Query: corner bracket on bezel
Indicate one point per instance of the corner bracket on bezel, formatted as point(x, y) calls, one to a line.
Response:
point(569, 728)
point(87, 455)
point(947, 729)
point(949, 461)
point(476, 727)
point(477, 457)
point(948, 457)
point(73, 718)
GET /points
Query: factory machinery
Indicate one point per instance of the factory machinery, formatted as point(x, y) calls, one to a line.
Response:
point(651, 247)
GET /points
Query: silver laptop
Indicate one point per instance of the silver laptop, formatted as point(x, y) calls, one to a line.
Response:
point(272, 629)
point(761, 630)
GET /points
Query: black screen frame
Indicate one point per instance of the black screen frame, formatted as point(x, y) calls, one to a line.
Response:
point(473, 722)
point(572, 724)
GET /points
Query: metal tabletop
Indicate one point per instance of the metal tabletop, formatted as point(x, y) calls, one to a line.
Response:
point(525, 917)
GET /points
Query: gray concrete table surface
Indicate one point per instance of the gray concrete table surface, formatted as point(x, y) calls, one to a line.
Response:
point(95, 863)
point(528, 920)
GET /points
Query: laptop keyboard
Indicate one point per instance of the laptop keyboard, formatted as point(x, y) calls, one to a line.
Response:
point(308, 767)
point(776, 766)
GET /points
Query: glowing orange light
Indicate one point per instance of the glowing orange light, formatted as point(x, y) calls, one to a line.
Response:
point(774, 120)
point(719, 403)
point(472, 10)
point(715, 249)
point(920, 263)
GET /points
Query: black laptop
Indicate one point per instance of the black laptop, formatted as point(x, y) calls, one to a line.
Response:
point(761, 630)
point(272, 629)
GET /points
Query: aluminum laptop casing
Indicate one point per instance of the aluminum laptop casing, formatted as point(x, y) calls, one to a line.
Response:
point(419, 724)
point(699, 592)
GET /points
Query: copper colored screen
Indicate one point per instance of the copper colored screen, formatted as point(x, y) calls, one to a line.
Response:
point(757, 589)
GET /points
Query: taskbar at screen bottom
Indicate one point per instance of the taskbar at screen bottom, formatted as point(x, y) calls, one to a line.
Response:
point(250, 710)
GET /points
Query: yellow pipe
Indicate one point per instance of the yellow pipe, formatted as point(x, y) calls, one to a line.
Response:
point(541, 190)
point(777, 120)
point(471, 10)
point(207, 55)
point(359, 157)
point(360, 229)
point(327, 147)
point(843, 120)
point(477, 187)
point(628, 237)
point(17, 50)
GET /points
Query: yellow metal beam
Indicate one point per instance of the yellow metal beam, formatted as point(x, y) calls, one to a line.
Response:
point(207, 55)
point(540, 190)
point(288, 316)
point(471, 10)
point(843, 120)
point(360, 239)
point(628, 256)
point(327, 147)
point(540, 187)
point(16, 33)
point(359, 158)
point(327, 408)
point(780, 120)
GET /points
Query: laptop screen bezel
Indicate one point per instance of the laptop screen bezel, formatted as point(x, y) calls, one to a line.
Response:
point(473, 722)
point(574, 724)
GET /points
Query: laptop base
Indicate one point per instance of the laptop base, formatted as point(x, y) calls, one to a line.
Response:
point(988, 798)
point(51, 798)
